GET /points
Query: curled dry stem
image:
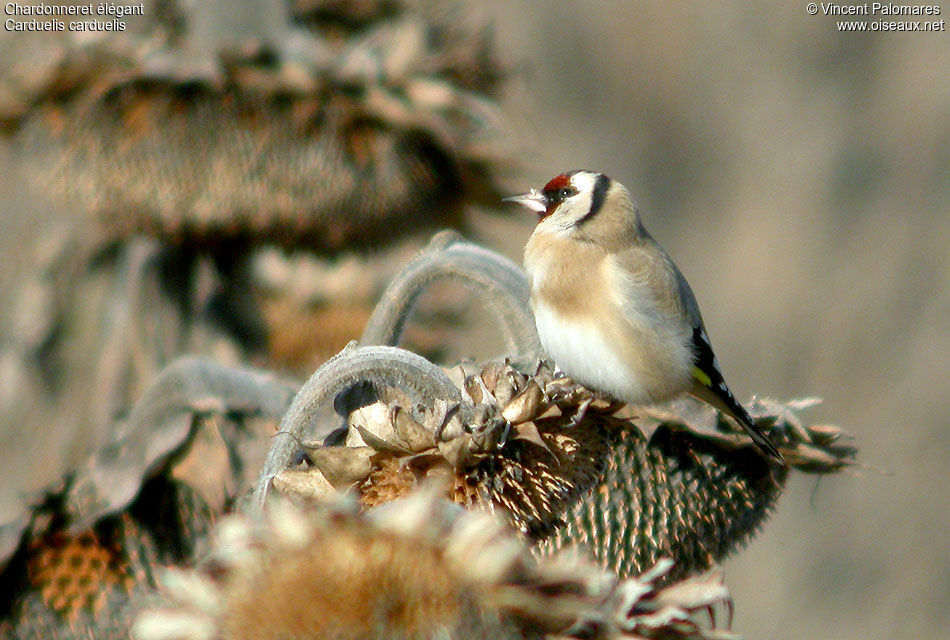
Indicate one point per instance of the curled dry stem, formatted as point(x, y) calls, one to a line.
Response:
point(498, 281)
point(385, 366)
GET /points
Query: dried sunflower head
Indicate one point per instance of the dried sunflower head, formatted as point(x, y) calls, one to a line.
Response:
point(325, 126)
point(633, 484)
point(73, 555)
point(417, 567)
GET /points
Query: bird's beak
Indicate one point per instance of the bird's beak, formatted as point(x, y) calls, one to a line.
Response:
point(533, 200)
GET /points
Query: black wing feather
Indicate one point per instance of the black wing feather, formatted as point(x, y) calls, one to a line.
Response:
point(710, 377)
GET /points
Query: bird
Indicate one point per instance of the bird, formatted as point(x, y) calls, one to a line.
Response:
point(611, 307)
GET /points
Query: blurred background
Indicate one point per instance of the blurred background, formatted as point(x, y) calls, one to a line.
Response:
point(800, 177)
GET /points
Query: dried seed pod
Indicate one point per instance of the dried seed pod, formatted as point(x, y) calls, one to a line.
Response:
point(527, 405)
point(343, 466)
point(416, 437)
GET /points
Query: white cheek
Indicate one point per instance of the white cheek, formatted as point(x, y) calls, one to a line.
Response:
point(581, 350)
point(560, 224)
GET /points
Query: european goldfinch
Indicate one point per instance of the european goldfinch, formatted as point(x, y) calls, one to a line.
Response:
point(612, 309)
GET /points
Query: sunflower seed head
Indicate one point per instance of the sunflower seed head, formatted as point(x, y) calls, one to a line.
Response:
point(290, 128)
point(671, 472)
point(568, 467)
point(332, 572)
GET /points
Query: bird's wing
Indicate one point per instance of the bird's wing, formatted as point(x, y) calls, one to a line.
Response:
point(708, 382)
point(650, 272)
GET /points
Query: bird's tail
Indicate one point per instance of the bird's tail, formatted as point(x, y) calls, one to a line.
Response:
point(721, 398)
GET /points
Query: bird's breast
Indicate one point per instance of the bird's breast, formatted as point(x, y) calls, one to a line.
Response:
point(572, 306)
point(596, 331)
point(564, 273)
point(583, 350)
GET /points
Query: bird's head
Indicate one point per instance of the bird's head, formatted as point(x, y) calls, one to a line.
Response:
point(571, 201)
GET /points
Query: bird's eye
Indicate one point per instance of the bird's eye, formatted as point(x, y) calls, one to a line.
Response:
point(567, 192)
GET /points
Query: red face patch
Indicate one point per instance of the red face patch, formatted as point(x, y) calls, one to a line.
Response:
point(557, 182)
point(555, 191)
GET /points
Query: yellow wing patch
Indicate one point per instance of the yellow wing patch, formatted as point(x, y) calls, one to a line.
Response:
point(702, 376)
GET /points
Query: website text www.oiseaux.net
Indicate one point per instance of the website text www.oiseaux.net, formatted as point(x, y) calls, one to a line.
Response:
point(883, 15)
